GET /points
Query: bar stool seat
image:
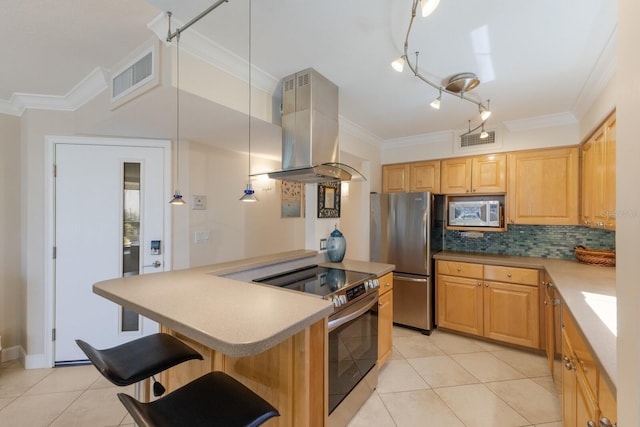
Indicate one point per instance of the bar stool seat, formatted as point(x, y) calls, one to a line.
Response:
point(214, 399)
point(139, 359)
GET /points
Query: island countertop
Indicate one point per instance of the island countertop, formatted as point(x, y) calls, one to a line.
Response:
point(233, 317)
point(588, 291)
point(228, 314)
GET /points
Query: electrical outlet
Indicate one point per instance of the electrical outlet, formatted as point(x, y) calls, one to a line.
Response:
point(323, 244)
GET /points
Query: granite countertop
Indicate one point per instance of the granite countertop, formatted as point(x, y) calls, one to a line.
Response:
point(588, 291)
point(234, 317)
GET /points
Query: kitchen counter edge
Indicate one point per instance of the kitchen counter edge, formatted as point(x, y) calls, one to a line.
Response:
point(229, 324)
point(574, 281)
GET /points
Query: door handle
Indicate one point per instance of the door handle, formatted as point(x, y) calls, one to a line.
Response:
point(155, 264)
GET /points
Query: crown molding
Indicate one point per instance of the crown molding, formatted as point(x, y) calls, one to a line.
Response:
point(88, 88)
point(546, 121)
point(603, 71)
point(212, 53)
point(357, 131)
point(425, 138)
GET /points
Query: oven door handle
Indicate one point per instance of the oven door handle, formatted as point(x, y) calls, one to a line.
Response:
point(353, 311)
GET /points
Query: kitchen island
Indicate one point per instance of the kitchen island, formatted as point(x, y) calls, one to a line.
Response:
point(272, 340)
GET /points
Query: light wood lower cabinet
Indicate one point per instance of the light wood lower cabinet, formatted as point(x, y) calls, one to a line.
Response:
point(587, 399)
point(385, 318)
point(291, 375)
point(496, 302)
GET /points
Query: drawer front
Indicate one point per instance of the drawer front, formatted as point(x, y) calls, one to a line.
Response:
point(523, 276)
point(385, 283)
point(460, 269)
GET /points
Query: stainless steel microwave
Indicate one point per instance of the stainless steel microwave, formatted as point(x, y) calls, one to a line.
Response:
point(476, 213)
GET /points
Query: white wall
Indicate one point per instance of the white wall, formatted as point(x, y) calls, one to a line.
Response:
point(35, 125)
point(628, 207)
point(10, 222)
point(441, 145)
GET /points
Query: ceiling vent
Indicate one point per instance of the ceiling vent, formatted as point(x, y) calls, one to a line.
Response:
point(136, 75)
point(471, 142)
point(473, 139)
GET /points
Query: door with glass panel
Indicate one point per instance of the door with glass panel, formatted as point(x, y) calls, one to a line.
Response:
point(109, 223)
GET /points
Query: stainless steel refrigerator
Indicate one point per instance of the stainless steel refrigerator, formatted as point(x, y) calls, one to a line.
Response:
point(406, 230)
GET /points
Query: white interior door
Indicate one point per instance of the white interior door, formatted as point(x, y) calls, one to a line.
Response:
point(108, 223)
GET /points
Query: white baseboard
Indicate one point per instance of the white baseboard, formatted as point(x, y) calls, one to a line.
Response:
point(35, 361)
point(11, 353)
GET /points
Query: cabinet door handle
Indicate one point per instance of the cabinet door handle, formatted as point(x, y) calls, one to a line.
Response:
point(605, 422)
point(591, 424)
point(486, 285)
point(545, 302)
point(509, 275)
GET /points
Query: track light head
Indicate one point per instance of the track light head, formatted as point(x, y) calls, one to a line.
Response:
point(398, 64)
point(428, 6)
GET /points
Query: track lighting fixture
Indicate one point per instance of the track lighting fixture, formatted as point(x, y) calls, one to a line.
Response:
point(485, 113)
point(398, 64)
point(484, 134)
point(457, 85)
point(435, 104)
point(428, 6)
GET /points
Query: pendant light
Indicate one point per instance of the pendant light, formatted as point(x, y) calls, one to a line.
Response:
point(177, 195)
point(249, 193)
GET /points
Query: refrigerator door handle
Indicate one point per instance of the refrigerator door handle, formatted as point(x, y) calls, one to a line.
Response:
point(425, 241)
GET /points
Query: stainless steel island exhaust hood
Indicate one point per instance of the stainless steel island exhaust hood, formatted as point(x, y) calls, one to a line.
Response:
point(310, 149)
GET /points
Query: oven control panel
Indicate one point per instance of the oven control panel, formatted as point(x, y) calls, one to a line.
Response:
point(350, 294)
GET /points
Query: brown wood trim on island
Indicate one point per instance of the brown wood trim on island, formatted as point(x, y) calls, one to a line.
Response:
point(290, 376)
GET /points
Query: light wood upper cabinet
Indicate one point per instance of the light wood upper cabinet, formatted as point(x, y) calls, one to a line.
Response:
point(424, 176)
point(477, 175)
point(395, 178)
point(456, 176)
point(543, 187)
point(599, 177)
point(489, 174)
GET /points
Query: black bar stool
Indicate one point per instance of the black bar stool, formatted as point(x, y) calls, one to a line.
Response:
point(214, 399)
point(139, 359)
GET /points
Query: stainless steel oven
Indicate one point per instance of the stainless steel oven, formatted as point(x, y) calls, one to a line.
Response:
point(353, 355)
point(353, 332)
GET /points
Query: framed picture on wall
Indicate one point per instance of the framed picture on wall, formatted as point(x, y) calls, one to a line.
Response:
point(291, 199)
point(329, 200)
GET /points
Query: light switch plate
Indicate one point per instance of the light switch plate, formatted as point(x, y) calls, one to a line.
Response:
point(198, 202)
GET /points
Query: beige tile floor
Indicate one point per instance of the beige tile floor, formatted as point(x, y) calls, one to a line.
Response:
point(449, 380)
point(442, 380)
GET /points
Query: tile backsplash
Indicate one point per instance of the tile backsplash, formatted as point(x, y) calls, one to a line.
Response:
point(547, 241)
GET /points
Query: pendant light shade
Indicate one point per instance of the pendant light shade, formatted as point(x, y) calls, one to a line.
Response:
point(428, 6)
point(177, 199)
point(249, 194)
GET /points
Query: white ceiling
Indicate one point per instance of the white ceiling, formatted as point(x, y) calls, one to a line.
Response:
point(538, 58)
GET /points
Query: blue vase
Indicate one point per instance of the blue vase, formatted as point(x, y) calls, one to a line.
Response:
point(336, 246)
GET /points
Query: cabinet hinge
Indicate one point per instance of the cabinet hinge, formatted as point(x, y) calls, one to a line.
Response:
point(54, 252)
point(55, 171)
point(53, 334)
